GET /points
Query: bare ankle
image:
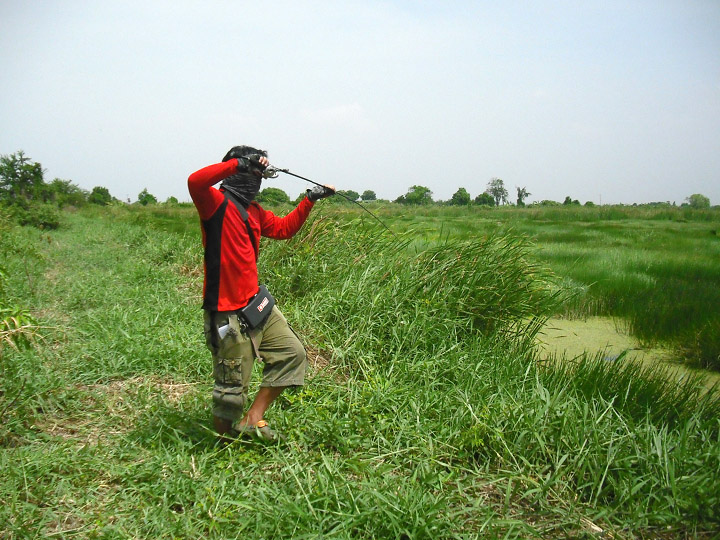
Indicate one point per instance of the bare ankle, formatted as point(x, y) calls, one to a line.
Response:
point(221, 425)
point(249, 420)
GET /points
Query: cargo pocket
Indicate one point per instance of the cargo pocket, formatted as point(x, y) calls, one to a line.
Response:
point(229, 401)
point(234, 359)
point(228, 371)
point(229, 396)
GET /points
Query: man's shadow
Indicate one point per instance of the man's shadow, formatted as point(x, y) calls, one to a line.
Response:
point(168, 425)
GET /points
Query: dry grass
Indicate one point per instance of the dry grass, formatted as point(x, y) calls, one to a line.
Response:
point(116, 403)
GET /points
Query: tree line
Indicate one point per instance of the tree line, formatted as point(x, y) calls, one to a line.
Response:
point(32, 200)
point(23, 181)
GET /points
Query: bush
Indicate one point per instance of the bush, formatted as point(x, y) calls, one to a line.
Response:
point(100, 195)
point(698, 201)
point(485, 199)
point(17, 327)
point(145, 197)
point(42, 216)
point(486, 285)
point(272, 196)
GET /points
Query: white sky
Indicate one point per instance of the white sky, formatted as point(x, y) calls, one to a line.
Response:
point(609, 101)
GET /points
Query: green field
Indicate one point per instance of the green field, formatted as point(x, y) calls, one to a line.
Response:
point(426, 412)
point(657, 270)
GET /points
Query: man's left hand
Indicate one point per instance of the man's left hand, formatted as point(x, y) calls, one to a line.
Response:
point(320, 192)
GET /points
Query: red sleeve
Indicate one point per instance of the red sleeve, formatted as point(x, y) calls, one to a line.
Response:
point(281, 228)
point(200, 184)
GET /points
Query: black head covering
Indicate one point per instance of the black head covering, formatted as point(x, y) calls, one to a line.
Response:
point(243, 151)
point(245, 185)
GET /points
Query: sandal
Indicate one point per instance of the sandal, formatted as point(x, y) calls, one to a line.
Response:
point(260, 431)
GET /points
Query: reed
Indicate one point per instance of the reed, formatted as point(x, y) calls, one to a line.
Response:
point(652, 266)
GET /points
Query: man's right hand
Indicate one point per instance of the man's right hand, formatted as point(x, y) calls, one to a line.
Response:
point(257, 163)
point(256, 160)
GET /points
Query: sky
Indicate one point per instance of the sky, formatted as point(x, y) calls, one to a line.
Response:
point(604, 101)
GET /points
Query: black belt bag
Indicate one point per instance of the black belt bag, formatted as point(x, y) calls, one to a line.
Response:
point(258, 309)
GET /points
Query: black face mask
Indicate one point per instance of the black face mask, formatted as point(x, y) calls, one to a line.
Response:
point(244, 186)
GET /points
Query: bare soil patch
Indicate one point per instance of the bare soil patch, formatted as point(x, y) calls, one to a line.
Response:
point(116, 400)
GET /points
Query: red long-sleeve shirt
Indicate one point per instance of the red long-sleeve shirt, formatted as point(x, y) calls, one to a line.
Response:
point(231, 277)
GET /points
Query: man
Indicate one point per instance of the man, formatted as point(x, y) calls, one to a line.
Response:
point(232, 224)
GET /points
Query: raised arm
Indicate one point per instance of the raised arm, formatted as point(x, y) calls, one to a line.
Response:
point(200, 185)
point(281, 228)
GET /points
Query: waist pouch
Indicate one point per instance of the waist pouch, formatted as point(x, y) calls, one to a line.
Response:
point(258, 309)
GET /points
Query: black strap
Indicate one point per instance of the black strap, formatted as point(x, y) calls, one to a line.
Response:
point(243, 213)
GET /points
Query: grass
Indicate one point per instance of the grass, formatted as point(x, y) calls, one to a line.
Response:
point(656, 268)
point(425, 414)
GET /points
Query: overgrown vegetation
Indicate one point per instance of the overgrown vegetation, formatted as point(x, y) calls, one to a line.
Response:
point(28, 199)
point(425, 414)
point(17, 325)
point(654, 267)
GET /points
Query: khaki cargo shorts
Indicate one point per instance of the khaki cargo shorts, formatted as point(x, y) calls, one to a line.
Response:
point(234, 351)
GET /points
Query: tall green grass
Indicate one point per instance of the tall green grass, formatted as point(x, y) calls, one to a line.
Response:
point(425, 413)
point(663, 280)
point(448, 352)
point(654, 267)
point(488, 285)
point(17, 256)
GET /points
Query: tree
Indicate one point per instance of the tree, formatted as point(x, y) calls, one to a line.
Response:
point(368, 195)
point(416, 195)
point(272, 195)
point(460, 198)
point(698, 201)
point(349, 193)
point(65, 193)
point(20, 178)
point(145, 198)
point(171, 200)
point(485, 199)
point(568, 201)
point(496, 188)
point(522, 194)
point(100, 195)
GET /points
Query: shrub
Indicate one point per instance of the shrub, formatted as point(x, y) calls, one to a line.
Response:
point(42, 216)
point(17, 327)
point(100, 195)
point(485, 199)
point(698, 201)
point(271, 196)
point(145, 197)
